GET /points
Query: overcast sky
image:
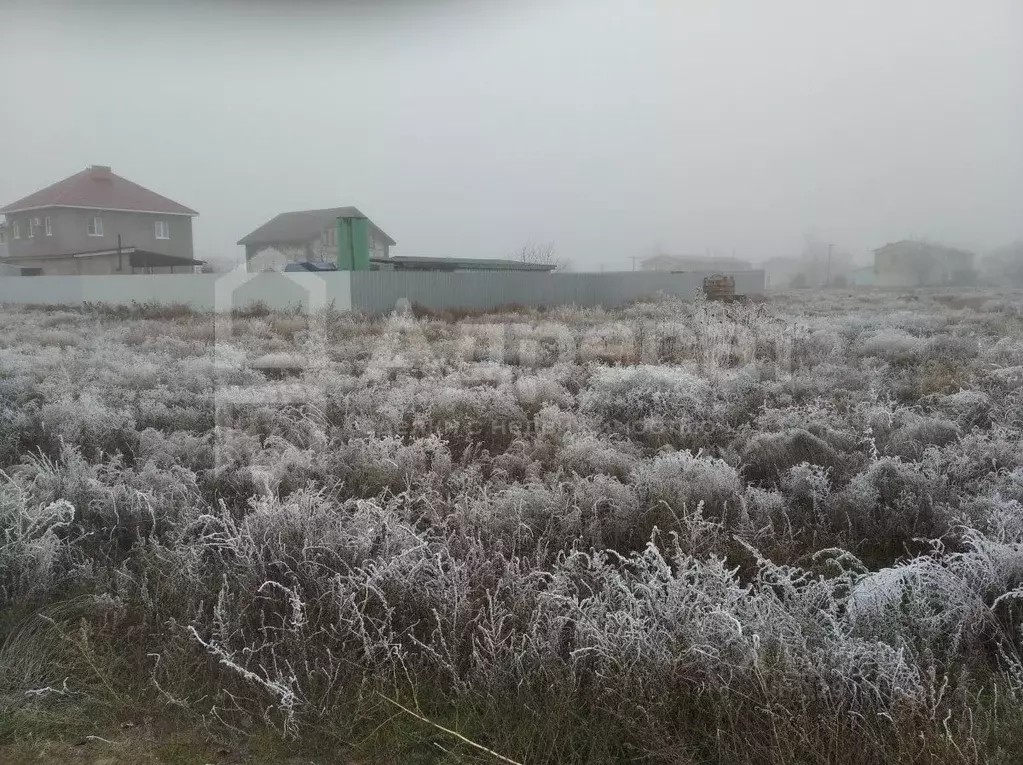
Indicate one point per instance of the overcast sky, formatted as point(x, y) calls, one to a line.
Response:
point(610, 127)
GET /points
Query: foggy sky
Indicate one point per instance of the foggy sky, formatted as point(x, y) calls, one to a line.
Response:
point(611, 127)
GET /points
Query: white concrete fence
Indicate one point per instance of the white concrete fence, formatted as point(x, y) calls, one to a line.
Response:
point(366, 291)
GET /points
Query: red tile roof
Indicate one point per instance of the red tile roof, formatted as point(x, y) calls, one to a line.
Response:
point(99, 189)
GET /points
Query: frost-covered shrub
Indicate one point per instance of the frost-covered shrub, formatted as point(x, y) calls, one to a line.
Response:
point(476, 415)
point(514, 546)
point(806, 484)
point(605, 513)
point(588, 454)
point(631, 394)
point(891, 504)
point(87, 423)
point(11, 423)
point(945, 348)
point(680, 481)
point(368, 466)
point(892, 345)
point(653, 405)
point(768, 455)
point(523, 513)
point(938, 604)
point(1007, 378)
point(308, 527)
point(913, 434)
point(969, 408)
point(32, 550)
point(811, 348)
point(485, 374)
point(532, 392)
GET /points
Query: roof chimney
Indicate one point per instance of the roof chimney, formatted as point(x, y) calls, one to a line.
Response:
point(99, 171)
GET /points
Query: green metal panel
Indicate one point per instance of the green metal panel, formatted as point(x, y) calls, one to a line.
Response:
point(353, 244)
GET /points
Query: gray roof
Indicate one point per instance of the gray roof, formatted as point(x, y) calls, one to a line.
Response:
point(922, 246)
point(303, 226)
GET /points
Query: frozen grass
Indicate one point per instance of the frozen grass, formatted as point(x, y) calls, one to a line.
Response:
point(781, 533)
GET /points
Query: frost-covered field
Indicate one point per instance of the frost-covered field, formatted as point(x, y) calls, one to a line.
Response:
point(779, 533)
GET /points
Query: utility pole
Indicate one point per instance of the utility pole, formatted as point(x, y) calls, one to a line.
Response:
point(828, 282)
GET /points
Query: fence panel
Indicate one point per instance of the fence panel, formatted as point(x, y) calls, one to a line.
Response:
point(367, 291)
point(381, 291)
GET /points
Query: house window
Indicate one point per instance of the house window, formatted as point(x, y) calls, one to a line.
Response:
point(46, 224)
point(162, 230)
point(3, 237)
point(31, 229)
point(95, 225)
point(16, 229)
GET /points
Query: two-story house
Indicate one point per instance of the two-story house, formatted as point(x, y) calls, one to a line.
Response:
point(96, 222)
point(305, 236)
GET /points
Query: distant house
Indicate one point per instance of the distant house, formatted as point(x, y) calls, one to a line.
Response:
point(1004, 266)
point(693, 263)
point(921, 264)
point(96, 222)
point(863, 277)
point(306, 236)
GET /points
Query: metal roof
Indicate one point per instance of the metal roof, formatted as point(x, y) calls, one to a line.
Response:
point(145, 259)
point(311, 265)
point(932, 247)
point(303, 226)
point(138, 258)
point(97, 188)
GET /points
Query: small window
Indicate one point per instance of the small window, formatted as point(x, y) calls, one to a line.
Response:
point(95, 225)
point(31, 229)
point(3, 237)
point(16, 229)
point(46, 224)
point(162, 230)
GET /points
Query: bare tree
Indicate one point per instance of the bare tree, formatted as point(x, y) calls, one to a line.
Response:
point(541, 254)
point(323, 250)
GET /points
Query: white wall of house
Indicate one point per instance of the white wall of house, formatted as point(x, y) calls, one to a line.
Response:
point(274, 257)
point(378, 248)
